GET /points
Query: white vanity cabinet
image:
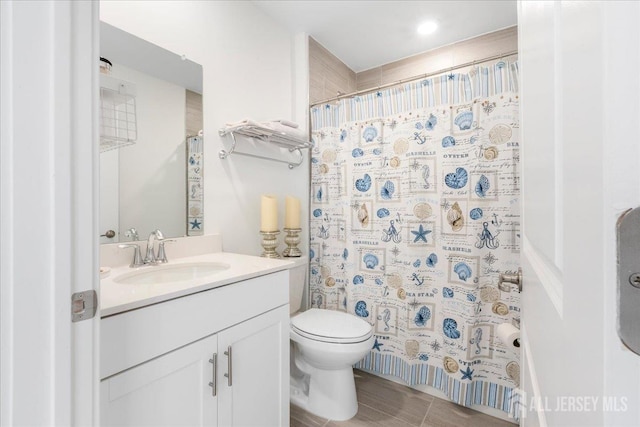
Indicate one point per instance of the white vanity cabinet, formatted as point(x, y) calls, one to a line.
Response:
point(157, 361)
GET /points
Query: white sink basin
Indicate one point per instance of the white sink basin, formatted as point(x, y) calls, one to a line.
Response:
point(171, 273)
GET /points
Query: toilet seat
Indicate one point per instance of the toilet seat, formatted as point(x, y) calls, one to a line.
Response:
point(331, 326)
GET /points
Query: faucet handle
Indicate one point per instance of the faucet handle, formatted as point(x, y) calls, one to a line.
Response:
point(133, 233)
point(137, 256)
point(162, 255)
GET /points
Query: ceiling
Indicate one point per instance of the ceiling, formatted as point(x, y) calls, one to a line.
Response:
point(368, 33)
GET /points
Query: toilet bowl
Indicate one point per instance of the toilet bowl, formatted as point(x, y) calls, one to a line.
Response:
point(324, 346)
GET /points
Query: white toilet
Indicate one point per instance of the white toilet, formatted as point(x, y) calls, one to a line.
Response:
point(324, 346)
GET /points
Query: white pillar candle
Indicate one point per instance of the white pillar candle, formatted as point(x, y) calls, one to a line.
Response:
point(269, 213)
point(292, 212)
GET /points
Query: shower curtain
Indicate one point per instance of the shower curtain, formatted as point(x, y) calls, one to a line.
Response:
point(414, 213)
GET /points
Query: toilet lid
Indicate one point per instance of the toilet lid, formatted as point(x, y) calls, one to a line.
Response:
point(331, 326)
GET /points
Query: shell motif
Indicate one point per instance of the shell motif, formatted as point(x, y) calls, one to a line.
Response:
point(329, 156)
point(513, 371)
point(402, 294)
point(345, 254)
point(394, 162)
point(363, 184)
point(317, 213)
point(319, 194)
point(358, 280)
point(330, 282)
point(377, 151)
point(357, 152)
point(455, 217)
point(471, 298)
point(361, 309)
point(450, 365)
point(379, 281)
point(491, 153)
point(422, 316)
point(370, 261)
point(431, 123)
point(462, 270)
point(394, 280)
point(500, 308)
point(448, 141)
point(363, 215)
point(432, 260)
point(369, 133)
point(412, 347)
point(312, 254)
point(417, 263)
point(482, 186)
point(473, 139)
point(422, 210)
point(450, 328)
point(343, 135)
point(500, 133)
point(383, 212)
point(457, 179)
point(447, 292)
point(387, 190)
point(401, 146)
point(464, 120)
point(324, 168)
point(475, 213)
point(489, 294)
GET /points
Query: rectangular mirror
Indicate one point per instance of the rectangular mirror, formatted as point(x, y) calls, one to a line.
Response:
point(151, 176)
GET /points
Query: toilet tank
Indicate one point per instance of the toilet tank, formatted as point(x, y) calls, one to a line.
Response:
point(297, 280)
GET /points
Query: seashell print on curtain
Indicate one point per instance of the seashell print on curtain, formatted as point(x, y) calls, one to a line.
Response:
point(418, 214)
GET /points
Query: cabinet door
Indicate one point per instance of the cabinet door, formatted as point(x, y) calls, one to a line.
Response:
point(170, 390)
point(256, 393)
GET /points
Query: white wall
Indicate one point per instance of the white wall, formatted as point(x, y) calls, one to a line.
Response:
point(248, 73)
point(151, 172)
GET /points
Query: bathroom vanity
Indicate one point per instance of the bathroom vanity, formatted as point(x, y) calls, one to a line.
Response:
point(212, 350)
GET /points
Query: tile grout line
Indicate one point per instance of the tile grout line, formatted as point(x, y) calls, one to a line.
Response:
point(426, 414)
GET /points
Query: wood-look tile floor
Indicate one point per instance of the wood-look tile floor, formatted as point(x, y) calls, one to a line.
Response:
point(385, 403)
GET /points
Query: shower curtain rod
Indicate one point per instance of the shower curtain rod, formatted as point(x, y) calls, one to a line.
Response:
point(421, 76)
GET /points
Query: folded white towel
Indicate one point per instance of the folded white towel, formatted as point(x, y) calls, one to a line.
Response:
point(286, 123)
point(296, 133)
point(245, 122)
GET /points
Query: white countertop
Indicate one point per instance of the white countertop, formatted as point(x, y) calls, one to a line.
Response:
point(116, 297)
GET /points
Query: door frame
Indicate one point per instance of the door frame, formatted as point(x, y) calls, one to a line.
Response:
point(48, 198)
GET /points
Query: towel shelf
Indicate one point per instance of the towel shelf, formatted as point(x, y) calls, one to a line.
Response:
point(281, 139)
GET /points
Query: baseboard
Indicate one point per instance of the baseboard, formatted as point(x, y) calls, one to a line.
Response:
point(439, 394)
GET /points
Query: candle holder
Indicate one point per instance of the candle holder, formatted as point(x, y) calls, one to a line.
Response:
point(292, 239)
point(269, 243)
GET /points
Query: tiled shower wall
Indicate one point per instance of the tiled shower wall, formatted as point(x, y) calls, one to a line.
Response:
point(328, 75)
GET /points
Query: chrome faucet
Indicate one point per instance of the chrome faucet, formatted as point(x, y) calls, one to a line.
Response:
point(137, 257)
point(133, 233)
point(151, 258)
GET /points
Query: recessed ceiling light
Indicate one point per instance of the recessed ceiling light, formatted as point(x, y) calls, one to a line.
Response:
point(427, 27)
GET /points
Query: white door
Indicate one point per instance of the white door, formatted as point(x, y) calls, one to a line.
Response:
point(171, 390)
point(580, 82)
point(48, 223)
point(252, 391)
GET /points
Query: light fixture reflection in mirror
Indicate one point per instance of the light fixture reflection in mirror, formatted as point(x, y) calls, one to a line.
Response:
point(147, 185)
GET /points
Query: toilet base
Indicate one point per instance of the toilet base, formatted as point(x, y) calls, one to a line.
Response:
point(329, 394)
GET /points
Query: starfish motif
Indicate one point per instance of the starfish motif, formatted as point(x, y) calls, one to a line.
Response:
point(195, 224)
point(415, 165)
point(445, 205)
point(421, 234)
point(395, 251)
point(377, 345)
point(435, 345)
point(355, 205)
point(451, 76)
point(466, 375)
